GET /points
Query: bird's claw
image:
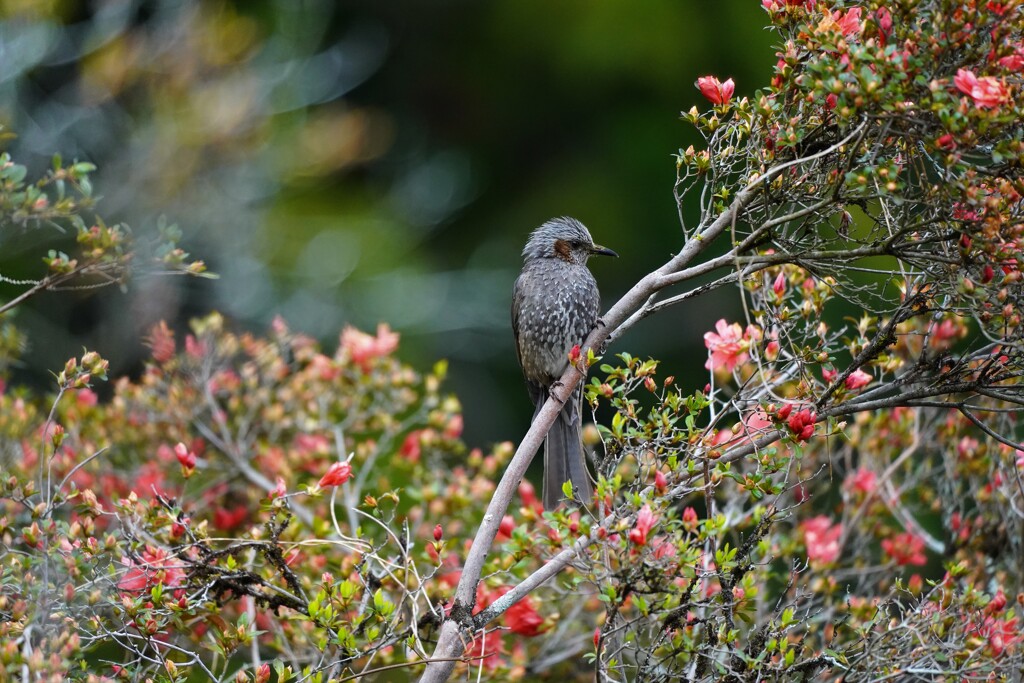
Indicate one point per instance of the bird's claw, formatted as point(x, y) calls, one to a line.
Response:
point(552, 394)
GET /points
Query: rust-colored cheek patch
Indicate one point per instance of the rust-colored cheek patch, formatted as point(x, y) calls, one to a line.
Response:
point(562, 250)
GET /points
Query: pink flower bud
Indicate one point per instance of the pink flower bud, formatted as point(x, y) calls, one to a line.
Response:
point(779, 286)
point(574, 354)
point(339, 473)
point(438, 533)
point(186, 457)
point(716, 91)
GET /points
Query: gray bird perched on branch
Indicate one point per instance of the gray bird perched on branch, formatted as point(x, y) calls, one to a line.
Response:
point(554, 307)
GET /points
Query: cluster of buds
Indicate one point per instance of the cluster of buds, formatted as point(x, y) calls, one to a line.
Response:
point(77, 375)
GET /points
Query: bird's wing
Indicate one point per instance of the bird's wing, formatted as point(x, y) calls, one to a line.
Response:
point(516, 301)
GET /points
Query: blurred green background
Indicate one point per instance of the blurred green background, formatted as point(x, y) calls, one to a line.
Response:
point(355, 162)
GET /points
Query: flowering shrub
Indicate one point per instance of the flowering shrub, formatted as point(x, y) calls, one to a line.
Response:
point(841, 500)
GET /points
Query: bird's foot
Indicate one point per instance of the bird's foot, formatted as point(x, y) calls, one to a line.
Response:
point(552, 394)
point(598, 324)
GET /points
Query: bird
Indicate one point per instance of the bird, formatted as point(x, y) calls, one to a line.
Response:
point(555, 305)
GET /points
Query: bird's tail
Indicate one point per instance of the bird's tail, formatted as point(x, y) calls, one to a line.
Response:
point(564, 460)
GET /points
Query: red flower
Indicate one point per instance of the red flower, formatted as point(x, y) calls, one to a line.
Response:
point(726, 346)
point(339, 473)
point(905, 548)
point(645, 520)
point(999, 635)
point(716, 91)
point(802, 424)
point(987, 92)
point(227, 520)
point(410, 449)
point(946, 142)
point(363, 348)
point(523, 618)
point(822, 539)
point(506, 527)
point(529, 496)
point(574, 354)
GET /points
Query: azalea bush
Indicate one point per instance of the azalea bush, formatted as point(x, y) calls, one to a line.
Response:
point(841, 496)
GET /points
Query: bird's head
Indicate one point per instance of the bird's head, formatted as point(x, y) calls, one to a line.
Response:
point(563, 238)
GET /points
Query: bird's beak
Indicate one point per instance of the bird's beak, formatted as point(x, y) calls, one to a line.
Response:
point(603, 251)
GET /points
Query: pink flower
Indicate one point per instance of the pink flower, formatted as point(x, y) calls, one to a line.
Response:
point(716, 91)
point(848, 22)
point(529, 496)
point(821, 538)
point(363, 348)
point(779, 286)
point(1000, 634)
point(727, 347)
point(905, 548)
point(161, 341)
point(858, 380)
point(755, 423)
point(690, 518)
point(186, 457)
point(280, 490)
point(155, 568)
point(987, 92)
point(194, 347)
point(1014, 62)
point(645, 520)
point(339, 473)
point(862, 481)
point(884, 18)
